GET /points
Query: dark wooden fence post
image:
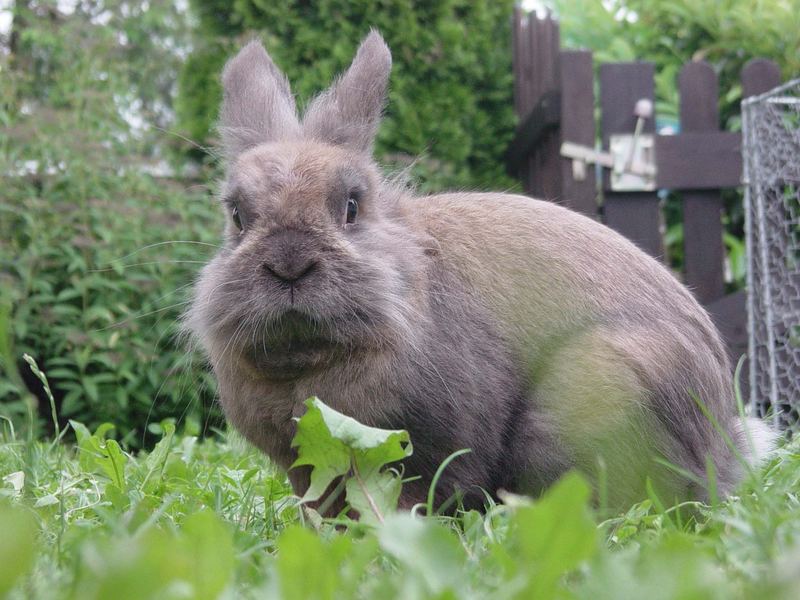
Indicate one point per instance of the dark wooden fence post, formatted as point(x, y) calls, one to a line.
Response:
point(702, 209)
point(759, 76)
point(521, 63)
point(544, 179)
point(534, 153)
point(636, 215)
point(577, 126)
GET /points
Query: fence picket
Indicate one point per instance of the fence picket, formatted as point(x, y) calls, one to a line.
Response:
point(636, 215)
point(577, 126)
point(702, 209)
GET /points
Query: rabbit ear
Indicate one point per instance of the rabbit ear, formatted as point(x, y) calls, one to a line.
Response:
point(257, 104)
point(349, 112)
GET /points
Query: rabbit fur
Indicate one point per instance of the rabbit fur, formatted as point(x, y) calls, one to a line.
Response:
point(536, 337)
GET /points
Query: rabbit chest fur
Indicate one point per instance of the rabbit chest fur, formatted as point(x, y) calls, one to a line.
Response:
point(534, 336)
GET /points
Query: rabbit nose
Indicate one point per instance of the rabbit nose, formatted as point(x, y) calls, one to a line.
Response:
point(289, 270)
point(289, 256)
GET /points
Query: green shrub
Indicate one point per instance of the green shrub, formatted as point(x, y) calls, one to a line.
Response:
point(200, 94)
point(96, 279)
point(92, 278)
point(451, 85)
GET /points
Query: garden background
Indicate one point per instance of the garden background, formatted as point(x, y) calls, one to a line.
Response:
point(107, 209)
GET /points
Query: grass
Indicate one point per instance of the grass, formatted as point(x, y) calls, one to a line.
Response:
point(211, 518)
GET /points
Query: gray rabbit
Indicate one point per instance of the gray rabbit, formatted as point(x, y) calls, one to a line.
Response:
point(534, 336)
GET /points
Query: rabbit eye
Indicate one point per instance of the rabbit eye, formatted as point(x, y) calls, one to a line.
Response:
point(237, 218)
point(352, 210)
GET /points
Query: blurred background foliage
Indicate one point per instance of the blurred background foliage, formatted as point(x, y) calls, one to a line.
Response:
point(670, 33)
point(107, 110)
point(94, 200)
point(450, 106)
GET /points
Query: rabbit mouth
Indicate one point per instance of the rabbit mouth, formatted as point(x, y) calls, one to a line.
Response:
point(291, 364)
point(295, 345)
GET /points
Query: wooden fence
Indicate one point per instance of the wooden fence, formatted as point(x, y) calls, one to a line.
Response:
point(553, 153)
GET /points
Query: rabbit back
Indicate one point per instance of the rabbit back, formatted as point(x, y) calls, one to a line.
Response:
point(614, 354)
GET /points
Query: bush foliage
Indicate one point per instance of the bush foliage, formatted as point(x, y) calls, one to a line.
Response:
point(92, 278)
point(450, 90)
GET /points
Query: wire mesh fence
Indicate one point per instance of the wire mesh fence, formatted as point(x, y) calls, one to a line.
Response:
point(771, 133)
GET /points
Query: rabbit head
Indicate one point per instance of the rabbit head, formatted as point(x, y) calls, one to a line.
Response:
point(317, 265)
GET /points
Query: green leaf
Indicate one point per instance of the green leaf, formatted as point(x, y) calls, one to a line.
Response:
point(116, 496)
point(316, 446)
point(355, 435)
point(62, 373)
point(91, 389)
point(17, 546)
point(555, 535)
point(103, 429)
point(301, 553)
point(376, 495)
point(82, 432)
point(157, 459)
point(209, 544)
point(99, 455)
point(336, 445)
point(113, 462)
point(430, 554)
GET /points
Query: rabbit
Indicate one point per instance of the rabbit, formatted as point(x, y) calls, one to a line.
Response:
point(534, 336)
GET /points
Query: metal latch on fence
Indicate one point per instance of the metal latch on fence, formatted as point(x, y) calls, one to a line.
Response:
point(631, 157)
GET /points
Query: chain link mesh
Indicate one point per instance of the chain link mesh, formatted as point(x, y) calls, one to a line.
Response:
point(771, 128)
